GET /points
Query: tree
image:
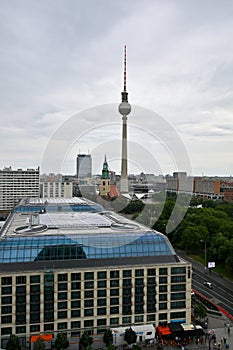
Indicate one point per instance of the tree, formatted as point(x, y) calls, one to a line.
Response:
point(39, 344)
point(86, 340)
point(130, 336)
point(108, 338)
point(200, 311)
point(13, 343)
point(61, 342)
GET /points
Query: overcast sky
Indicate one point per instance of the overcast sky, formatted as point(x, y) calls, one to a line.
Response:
point(60, 58)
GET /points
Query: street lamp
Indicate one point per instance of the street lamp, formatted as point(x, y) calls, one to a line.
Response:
point(202, 241)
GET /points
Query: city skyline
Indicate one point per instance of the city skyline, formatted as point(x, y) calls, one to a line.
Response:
point(56, 65)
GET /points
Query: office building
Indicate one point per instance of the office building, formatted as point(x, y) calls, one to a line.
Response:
point(68, 265)
point(17, 184)
point(84, 166)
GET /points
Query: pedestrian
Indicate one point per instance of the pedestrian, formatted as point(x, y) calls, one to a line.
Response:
point(228, 330)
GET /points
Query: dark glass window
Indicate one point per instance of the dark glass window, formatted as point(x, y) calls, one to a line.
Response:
point(20, 299)
point(75, 295)
point(114, 321)
point(89, 303)
point(62, 314)
point(48, 316)
point(35, 307)
point(75, 324)
point(6, 290)
point(114, 301)
point(178, 270)
point(7, 300)
point(89, 294)
point(151, 317)
point(101, 293)
point(50, 296)
point(21, 318)
point(114, 310)
point(139, 282)
point(6, 319)
point(126, 309)
point(75, 304)
point(62, 296)
point(127, 273)
point(35, 288)
point(62, 277)
point(151, 280)
point(101, 311)
point(114, 292)
point(7, 330)
point(126, 291)
point(102, 275)
point(101, 322)
point(62, 286)
point(35, 279)
point(89, 275)
point(180, 314)
point(6, 281)
point(178, 279)
point(178, 287)
point(162, 306)
point(88, 312)
point(76, 276)
point(62, 305)
point(114, 283)
point(114, 274)
point(21, 290)
point(163, 271)
point(162, 317)
point(89, 285)
point(62, 325)
point(177, 304)
point(88, 323)
point(7, 309)
point(20, 279)
point(162, 280)
point(102, 284)
point(162, 297)
point(35, 298)
point(34, 317)
point(20, 329)
point(75, 313)
point(139, 309)
point(75, 285)
point(35, 328)
point(178, 296)
point(101, 302)
point(139, 273)
point(162, 289)
point(151, 272)
point(127, 282)
point(48, 326)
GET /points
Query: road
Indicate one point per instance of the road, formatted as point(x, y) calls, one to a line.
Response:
point(222, 292)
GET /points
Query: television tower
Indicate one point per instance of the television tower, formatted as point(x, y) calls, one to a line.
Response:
point(124, 110)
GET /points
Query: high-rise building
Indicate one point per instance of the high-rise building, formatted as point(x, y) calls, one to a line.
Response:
point(84, 166)
point(17, 184)
point(67, 265)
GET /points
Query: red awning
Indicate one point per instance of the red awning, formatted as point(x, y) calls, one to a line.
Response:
point(163, 330)
point(45, 337)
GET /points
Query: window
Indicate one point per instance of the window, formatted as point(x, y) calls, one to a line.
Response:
point(102, 275)
point(139, 273)
point(76, 276)
point(126, 320)
point(178, 270)
point(102, 284)
point(175, 315)
point(35, 328)
point(162, 297)
point(62, 277)
point(62, 305)
point(177, 296)
point(34, 317)
point(62, 314)
point(35, 298)
point(35, 307)
point(127, 273)
point(75, 324)
point(163, 271)
point(75, 285)
point(35, 279)
point(151, 272)
point(48, 326)
point(89, 294)
point(6, 281)
point(35, 288)
point(62, 296)
point(101, 322)
point(75, 295)
point(114, 283)
point(178, 279)
point(114, 321)
point(21, 290)
point(114, 274)
point(62, 325)
point(7, 309)
point(7, 330)
point(178, 287)
point(114, 301)
point(126, 291)
point(75, 304)
point(89, 303)
point(101, 302)
point(89, 275)
point(114, 310)
point(6, 290)
point(75, 313)
point(101, 293)
point(126, 309)
point(162, 280)
point(177, 304)
point(88, 312)
point(6, 319)
point(114, 292)
point(139, 318)
point(139, 282)
point(162, 289)
point(150, 317)
point(62, 286)
point(20, 329)
point(162, 306)
point(162, 317)
point(101, 311)
point(89, 285)
point(20, 279)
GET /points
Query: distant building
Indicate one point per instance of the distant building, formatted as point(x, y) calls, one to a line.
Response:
point(179, 182)
point(17, 184)
point(84, 166)
point(207, 187)
point(50, 189)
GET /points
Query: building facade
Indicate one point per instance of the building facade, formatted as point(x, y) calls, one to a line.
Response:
point(56, 189)
point(84, 166)
point(68, 265)
point(17, 184)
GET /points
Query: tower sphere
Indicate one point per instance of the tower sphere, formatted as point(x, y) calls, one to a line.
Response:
point(124, 108)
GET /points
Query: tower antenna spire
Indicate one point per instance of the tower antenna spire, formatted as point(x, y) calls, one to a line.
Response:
point(125, 68)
